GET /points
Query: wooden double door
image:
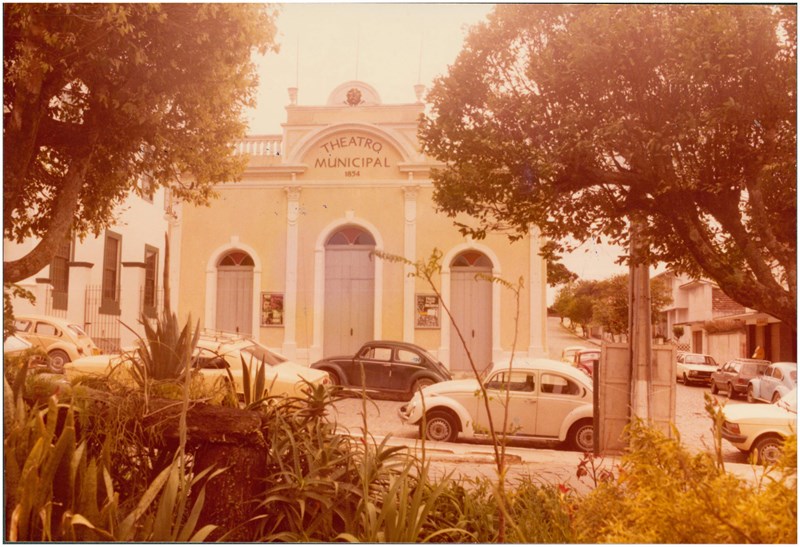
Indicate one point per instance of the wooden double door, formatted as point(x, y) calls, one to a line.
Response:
point(471, 306)
point(349, 299)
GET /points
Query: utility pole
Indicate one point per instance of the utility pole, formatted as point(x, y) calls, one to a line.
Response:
point(639, 327)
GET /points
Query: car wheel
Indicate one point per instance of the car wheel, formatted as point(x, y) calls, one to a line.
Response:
point(750, 396)
point(685, 379)
point(714, 388)
point(776, 397)
point(334, 378)
point(768, 449)
point(731, 392)
point(581, 436)
point(439, 425)
point(57, 359)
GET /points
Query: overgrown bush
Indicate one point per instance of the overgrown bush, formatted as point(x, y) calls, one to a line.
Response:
point(665, 494)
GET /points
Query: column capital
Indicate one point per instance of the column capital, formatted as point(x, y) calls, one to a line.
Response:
point(410, 192)
point(292, 192)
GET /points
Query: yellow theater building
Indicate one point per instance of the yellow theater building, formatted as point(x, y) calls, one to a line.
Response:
point(285, 254)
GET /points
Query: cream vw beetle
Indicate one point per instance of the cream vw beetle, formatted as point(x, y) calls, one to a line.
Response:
point(216, 355)
point(548, 400)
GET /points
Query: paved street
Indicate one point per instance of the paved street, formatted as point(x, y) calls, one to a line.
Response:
point(691, 420)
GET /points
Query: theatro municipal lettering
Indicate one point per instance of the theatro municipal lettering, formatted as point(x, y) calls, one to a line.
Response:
point(348, 142)
point(351, 162)
point(352, 152)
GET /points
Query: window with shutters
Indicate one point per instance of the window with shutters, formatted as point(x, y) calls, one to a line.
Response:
point(112, 255)
point(150, 279)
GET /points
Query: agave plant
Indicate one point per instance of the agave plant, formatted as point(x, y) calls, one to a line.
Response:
point(166, 351)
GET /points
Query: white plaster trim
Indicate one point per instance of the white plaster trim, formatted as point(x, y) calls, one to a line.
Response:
point(289, 348)
point(537, 281)
point(444, 350)
point(210, 319)
point(316, 350)
point(410, 252)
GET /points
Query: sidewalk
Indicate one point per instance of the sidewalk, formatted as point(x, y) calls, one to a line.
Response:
point(544, 466)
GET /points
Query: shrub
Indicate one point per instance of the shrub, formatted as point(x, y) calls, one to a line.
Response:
point(664, 494)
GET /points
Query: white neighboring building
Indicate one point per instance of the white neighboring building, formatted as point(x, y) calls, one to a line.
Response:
point(104, 281)
point(716, 325)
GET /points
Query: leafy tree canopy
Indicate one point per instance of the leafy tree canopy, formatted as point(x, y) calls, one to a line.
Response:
point(558, 274)
point(580, 118)
point(96, 96)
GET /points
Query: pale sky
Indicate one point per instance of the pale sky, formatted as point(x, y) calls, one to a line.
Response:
point(389, 46)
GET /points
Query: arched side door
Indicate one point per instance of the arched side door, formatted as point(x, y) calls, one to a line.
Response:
point(471, 306)
point(349, 291)
point(235, 293)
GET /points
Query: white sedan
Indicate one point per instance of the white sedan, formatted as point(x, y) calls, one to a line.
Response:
point(215, 357)
point(547, 400)
point(761, 429)
point(695, 367)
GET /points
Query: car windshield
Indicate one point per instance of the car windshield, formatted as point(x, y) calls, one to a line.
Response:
point(700, 360)
point(77, 330)
point(261, 353)
point(584, 357)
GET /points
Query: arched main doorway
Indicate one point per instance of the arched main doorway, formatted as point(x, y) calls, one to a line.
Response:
point(349, 291)
point(471, 306)
point(235, 293)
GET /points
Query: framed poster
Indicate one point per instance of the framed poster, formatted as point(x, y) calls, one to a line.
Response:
point(271, 309)
point(427, 311)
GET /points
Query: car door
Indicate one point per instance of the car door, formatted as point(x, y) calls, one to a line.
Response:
point(522, 403)
point(46, 334)
point(405, 365)
point(679, 368)
point(728, 373)
point(377, 363)
point(558, 396)
point(766, 384)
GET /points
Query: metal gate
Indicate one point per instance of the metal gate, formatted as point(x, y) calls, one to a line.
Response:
point(101, 327)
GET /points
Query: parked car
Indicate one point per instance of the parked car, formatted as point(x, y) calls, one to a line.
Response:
point(391, 368)
point(62, 340)
point(587, 360)
point(568, 353)
point(776, 381)
point(548, 400)
point(695, 367)
point(761, 429)
point(14, 345)
point(734, 376)
point(215, 355)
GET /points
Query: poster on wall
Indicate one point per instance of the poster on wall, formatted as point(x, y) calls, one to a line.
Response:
point(271, 309)
point(427, 311)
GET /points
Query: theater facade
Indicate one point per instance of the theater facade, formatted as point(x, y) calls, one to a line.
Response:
point(285, 255)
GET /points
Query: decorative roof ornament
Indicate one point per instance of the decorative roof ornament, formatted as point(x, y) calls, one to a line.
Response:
point(354, 93)
point(354, 97)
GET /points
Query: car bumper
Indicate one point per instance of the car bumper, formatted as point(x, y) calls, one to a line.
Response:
point(405, 412)
point(735, 438)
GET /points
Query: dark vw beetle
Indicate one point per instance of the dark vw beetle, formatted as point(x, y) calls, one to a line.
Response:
point(397, 368)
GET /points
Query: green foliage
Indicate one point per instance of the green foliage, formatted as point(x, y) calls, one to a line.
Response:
point(558, 274)
point(540, 513)
point(167, 351)
point(98, 97)
point(578, 118)
point(11, 291)
point(56, 492)
point(664, 494)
